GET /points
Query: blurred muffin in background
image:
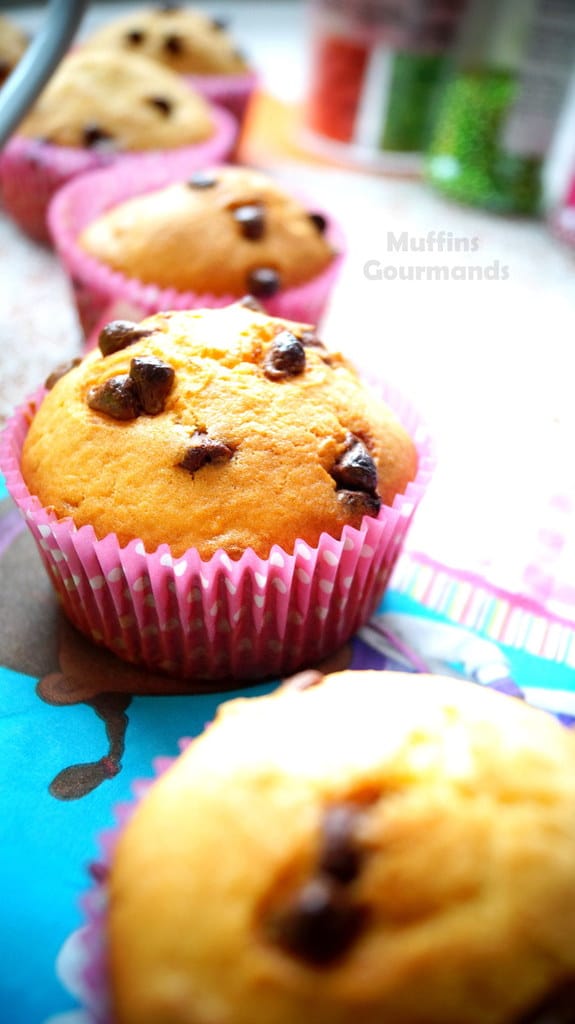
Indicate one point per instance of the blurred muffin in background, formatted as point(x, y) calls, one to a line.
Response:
point(161, 240)
point(99, 108)
point(185, 40)
point(13, 42)
point(188, 42)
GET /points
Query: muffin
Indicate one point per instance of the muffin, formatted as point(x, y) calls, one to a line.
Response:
point(257, 435)
point(233, 481)
point(260, 238)
point(99, 108)
point(188, 42)
point(378, 847)
point(104, 100)
point(170, 241)
point(13, 43)
point(182, 39)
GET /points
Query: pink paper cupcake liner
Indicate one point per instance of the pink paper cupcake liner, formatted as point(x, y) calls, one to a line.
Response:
point(91, 981)
point(219, 620)
point(233, 92)
point(32, 171)
point(96, 286)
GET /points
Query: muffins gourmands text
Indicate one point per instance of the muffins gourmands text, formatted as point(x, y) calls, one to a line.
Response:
point(378, 847)
point(215, 494)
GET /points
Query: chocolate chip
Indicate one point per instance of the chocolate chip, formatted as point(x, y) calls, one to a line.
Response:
point(116, 397)
point(135, 36)
point(93, 135)
point(286, 357)
point(201, 179)
point(220, 24)
point(321, 924)
point(204, 451)
point(60, 371)
point(340, 857)
point(358, 503)
point(355, 470)
point(154, 381)
point(303, 680)
point(119, 334)
point(319, 221)
point(250, 302)
point(263, 282)
point(251, 219)
point(5, 69)
point(174, 44)
point(161, 104)
point(557, 1007)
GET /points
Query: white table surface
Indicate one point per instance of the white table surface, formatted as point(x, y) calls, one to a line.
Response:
point(489, 363)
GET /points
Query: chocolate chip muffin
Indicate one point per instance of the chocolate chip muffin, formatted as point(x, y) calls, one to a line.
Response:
point(215, 429)
point(378, 847)
point(13, 42)
point(223, 232)
point(117, 102)
point(185, 40)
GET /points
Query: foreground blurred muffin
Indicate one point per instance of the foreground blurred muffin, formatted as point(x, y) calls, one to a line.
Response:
point(99, 108)
point(13, 43)
point(225, 231)
point(379, 847)
point(183, 39)
point(215, 429)
point(214, 494)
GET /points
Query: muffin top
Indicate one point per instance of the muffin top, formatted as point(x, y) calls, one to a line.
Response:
point(225, 231)
point(13, 42)
point(118, 102)
point(380, 847)
point(187, 41)
point(215, 429)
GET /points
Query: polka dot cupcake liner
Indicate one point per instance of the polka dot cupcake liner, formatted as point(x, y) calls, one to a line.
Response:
point(219, 621)
point(32, 171)
point(233, 92)
point(96, 286)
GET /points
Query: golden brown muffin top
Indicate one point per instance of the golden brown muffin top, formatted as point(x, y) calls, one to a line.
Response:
point(118, 101)
point(380, 847)
point(13, 42)
point(215, 429)
point(185, 40)
point(225, 231)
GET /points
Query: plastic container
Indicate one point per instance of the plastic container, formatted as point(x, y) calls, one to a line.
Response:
point(376, 68)
point(501, 106)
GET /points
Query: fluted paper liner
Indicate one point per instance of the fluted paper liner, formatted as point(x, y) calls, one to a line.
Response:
point(218, 619)
point(230, 91)
point(96, 286)
point(33, 171)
